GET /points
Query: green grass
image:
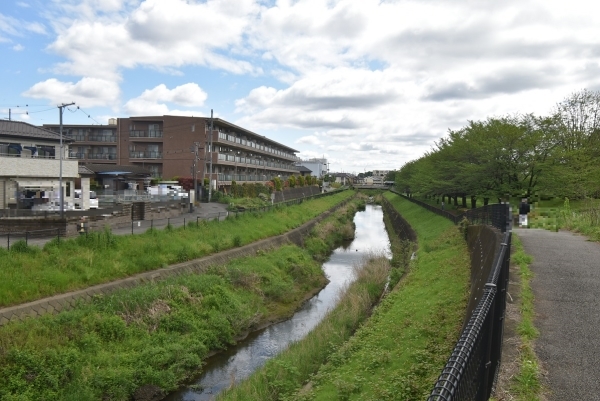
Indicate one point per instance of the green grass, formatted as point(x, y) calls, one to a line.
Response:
point(28, 273)
point(580, 216)
point(282, 375)
point(526, 385)
point(400, 351)
point(157, 333)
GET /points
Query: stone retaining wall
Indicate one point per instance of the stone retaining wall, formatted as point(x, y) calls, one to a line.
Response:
point(67, 301)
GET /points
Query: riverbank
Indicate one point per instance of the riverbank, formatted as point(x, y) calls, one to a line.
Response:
point(150, 338)
point(400, 350)
point(359, 274)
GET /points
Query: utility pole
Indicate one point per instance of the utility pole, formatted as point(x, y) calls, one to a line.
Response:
point(211, 157)
point(195, 173)
point(62, 197)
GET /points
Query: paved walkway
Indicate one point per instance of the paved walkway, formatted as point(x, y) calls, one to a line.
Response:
point(206, 211)
point(566, 286)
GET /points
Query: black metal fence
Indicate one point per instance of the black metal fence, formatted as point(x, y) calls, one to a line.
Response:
point(6, 239)
point(497, 215)
point(472, 369)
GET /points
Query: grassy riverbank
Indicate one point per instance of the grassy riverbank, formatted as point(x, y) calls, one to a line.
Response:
point(400, 351)
point(282, 375)
point(154, 336)
point(29, 273)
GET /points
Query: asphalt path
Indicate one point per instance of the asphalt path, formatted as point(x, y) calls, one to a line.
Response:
point(566, 286)
point(206, 211)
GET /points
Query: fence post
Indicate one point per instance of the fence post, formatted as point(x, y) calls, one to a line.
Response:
point(197, 224)
point(151, 224)
point(184, 223)
point(8, 241)
point(131, 227)
point(168, 221)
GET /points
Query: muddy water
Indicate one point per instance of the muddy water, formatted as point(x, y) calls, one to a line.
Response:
point(240, 361)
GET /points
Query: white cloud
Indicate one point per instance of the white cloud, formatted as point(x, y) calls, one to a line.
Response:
point(310, 139)
point(156, 33)
point(374, 81)
point(18, 47)
point(153, 101)
point(87, 92)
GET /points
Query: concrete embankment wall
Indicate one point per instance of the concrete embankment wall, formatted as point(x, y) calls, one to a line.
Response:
point(484, 244)
point(67, 301)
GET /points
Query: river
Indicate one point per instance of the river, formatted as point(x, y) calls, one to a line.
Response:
point(239, 361)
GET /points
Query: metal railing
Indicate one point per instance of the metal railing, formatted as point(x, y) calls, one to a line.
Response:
point(472, 369)
point(497, 215)
point(6, 239)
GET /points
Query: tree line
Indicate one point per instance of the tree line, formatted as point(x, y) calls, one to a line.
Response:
point(515, 155)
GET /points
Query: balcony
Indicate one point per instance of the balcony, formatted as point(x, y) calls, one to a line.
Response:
point(225, 138)
point(145, 155)
point(102, 156)
point(146, 134)
point(102, 138)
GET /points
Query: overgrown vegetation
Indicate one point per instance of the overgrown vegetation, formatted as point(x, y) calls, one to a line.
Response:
point(28, 273)
point(282, 375)
point(155, 334)
point(526, 385)
point(580, 216)
point(400, 351)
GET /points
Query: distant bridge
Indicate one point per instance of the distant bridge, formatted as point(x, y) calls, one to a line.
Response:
point(365, 186)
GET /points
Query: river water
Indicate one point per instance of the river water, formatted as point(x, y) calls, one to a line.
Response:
point(239, 361)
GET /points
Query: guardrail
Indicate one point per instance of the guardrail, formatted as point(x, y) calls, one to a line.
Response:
point(497, 215)
point(472, 369)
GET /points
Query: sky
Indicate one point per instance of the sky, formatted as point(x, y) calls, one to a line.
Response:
point(367, 84)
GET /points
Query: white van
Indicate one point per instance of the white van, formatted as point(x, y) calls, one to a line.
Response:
point(93, 200)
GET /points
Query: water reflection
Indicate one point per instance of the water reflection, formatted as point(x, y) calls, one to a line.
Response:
point(240, 361)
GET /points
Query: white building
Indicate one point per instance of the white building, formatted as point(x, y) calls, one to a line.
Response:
point(30, 168)
point(317, 166)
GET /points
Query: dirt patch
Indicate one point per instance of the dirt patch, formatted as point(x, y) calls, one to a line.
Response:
point(512, 342)
point(148, 392)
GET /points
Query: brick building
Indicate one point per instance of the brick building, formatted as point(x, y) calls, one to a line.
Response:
point(166, 145)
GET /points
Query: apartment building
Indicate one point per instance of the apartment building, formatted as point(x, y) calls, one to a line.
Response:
point(91, 143)
point(170, 146)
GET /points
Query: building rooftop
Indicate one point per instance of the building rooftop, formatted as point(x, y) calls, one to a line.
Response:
point(26, 130)
point(217, 122)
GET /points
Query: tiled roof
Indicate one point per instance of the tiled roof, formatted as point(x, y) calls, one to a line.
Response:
point(83, 170)
point(26, 130)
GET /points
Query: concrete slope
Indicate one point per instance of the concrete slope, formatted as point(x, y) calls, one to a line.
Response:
point(566, 286)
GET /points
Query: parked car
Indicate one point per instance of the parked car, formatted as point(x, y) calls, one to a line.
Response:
point(93, 200)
